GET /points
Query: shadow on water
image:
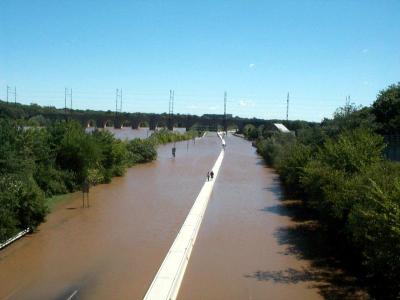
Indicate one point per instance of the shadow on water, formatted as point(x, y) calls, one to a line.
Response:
point(305, 239)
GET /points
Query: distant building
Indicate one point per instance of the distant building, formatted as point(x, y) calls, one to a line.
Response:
point(281, 128)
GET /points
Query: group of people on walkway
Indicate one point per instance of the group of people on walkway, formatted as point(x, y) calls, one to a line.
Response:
point(210, 175)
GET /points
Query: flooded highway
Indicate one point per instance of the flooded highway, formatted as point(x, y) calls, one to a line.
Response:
point(256, 244)
point(113, 249)
point(237, 243)
point(127, 133)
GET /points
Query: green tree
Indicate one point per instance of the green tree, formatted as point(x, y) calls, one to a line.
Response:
point(386, 109)
point(77, 151)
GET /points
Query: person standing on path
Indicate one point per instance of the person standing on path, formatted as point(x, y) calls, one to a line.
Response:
point(173, 151)
point(208, 176)
point(212, 175)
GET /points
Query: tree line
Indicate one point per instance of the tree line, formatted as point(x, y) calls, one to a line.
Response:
point(339, 170)
point(39, 162)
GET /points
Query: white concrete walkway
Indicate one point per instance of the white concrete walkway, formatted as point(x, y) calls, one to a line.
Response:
point(169, 277)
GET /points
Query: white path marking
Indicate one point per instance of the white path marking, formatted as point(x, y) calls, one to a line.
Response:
point(72, 295)
point(169, 277)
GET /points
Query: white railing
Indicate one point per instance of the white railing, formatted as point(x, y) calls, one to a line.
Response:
point(14, 238)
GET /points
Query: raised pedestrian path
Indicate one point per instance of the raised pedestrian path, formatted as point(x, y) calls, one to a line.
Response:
point(169, 277)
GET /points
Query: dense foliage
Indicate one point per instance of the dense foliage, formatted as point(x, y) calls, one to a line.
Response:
point(387, 109)
point(340, 172)
point(40, 162)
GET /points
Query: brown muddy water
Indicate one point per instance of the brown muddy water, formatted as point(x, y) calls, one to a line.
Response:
point(253, 246)
point(113, 249)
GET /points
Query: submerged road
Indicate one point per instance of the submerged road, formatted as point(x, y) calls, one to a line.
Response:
point(238, 254)
point(113, 249)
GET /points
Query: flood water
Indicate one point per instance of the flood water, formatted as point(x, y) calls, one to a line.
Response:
point(237, 241)
point(113, 249)
point(127, 133)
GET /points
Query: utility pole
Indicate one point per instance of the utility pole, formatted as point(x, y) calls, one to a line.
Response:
point(8, 88)
point(225, 124)
point(15, 95)
point(287, 107)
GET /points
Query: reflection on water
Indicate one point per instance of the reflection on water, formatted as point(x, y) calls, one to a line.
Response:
point(127, 133)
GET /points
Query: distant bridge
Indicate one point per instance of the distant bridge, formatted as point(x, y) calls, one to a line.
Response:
point(153, 121)
point(101, 119)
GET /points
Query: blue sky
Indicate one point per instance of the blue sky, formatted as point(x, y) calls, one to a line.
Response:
point(319, 51)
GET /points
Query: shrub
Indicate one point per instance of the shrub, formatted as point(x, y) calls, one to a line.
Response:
point(272, 148)
point(141, 151)
point(21, 204)
point(374, 227)
point(294, 158)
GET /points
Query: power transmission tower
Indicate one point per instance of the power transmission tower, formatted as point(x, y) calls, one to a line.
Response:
point(225, 123)
point(67, 96)
point(120, 107)
point(348, 100)
point(173, 100)
point(10, 92)
point(171, 110)
point(65, 103)
point(118, 98)
point(287, 107)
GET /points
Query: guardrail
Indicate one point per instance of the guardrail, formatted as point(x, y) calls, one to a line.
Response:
point(14, 238)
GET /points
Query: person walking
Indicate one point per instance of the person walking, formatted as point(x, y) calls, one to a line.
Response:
point(173, 151)
point(208, 176)
point(212, 175)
